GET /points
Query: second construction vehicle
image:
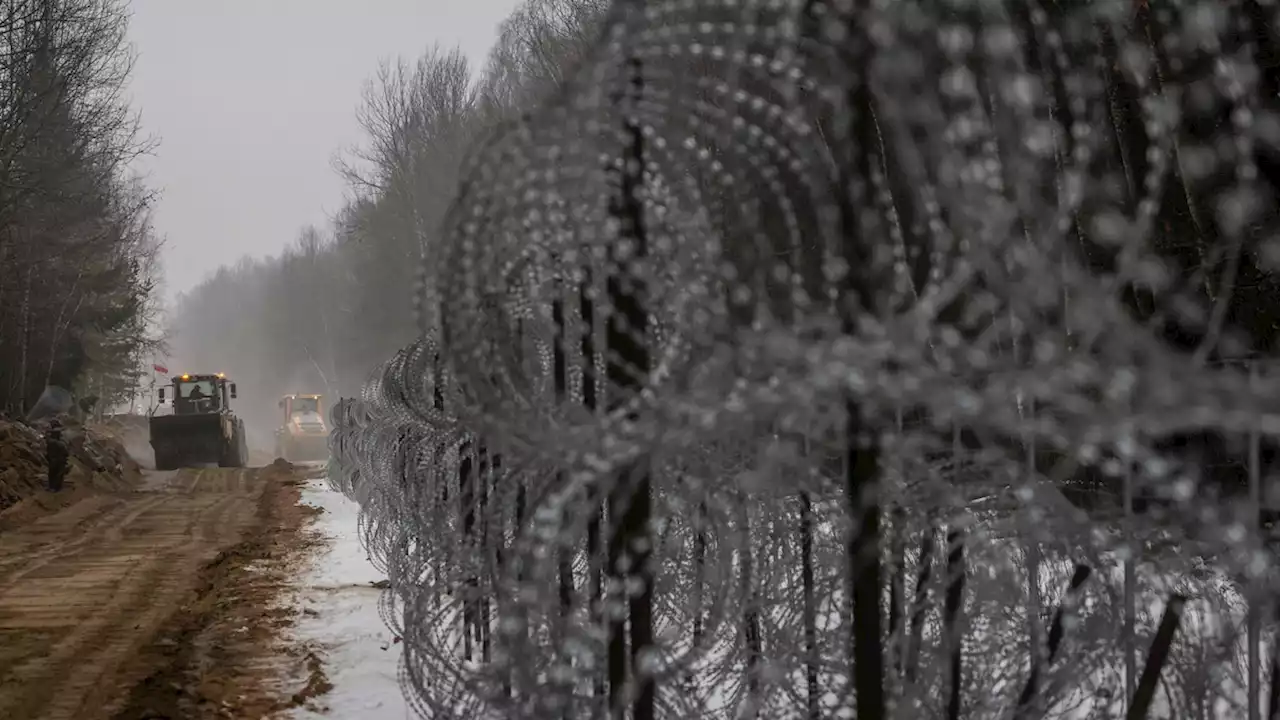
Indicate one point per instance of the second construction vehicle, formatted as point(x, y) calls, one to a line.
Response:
point(202, 429)
point(303, 435)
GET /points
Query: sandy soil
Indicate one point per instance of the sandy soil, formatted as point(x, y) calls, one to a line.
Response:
point(166, 602)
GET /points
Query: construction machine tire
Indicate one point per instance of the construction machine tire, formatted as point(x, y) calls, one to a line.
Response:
point(243, 447)
point(232, 457)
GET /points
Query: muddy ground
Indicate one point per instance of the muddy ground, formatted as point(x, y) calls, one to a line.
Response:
point(167, 601)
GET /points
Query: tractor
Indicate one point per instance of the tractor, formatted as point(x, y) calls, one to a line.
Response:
point(303, 435)
point(201, 429)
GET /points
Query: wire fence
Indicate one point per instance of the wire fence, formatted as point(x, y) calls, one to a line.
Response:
point(787, 364)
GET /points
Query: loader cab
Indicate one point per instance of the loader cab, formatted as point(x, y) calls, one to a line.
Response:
point(297, 407)
point(200, 394)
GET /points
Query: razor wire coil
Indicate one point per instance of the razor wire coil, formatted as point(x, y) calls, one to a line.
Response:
point(746, 247)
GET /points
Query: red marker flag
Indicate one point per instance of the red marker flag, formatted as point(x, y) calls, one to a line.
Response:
point(160, 369)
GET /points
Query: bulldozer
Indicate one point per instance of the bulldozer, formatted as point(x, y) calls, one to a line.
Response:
point(303, 435)
point(201, 429)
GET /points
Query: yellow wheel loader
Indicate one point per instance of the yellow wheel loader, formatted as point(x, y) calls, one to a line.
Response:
point(303, 435)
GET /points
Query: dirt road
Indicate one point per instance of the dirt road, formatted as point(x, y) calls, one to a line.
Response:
point(153, 604)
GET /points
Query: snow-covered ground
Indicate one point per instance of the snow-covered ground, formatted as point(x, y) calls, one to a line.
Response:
point(340, 621)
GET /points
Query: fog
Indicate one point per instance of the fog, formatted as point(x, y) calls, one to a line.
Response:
point(784, 360)
point(254, 105)
point(250, 101)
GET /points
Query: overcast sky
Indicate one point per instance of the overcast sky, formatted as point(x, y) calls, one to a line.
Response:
point(251, 98)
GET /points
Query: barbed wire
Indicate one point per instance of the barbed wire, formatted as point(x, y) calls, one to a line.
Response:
point(768, 362)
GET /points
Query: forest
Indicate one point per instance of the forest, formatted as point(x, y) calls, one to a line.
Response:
point(79, 272)
point(338, 301)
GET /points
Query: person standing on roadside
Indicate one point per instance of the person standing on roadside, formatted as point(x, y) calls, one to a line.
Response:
point(55, 451)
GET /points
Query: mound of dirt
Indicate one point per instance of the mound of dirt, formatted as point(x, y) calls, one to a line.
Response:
point(133, 432)
point(23, 470)
point(281, 465)
point(112, 454)
point(98, 462)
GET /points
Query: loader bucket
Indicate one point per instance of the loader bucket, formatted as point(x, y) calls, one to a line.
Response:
point(187, 440)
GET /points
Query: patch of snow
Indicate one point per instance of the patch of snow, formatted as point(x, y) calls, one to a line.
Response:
point(359, 653)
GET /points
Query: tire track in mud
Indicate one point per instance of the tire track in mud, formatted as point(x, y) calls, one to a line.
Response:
point(121, 639)
point(225, 653)
point(49, 539)
point(76, 612)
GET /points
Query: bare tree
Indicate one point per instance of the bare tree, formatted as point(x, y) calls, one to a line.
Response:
point(78, 292)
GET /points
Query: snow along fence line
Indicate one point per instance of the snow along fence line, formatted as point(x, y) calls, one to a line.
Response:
point(360, 655)
point(776, 366)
